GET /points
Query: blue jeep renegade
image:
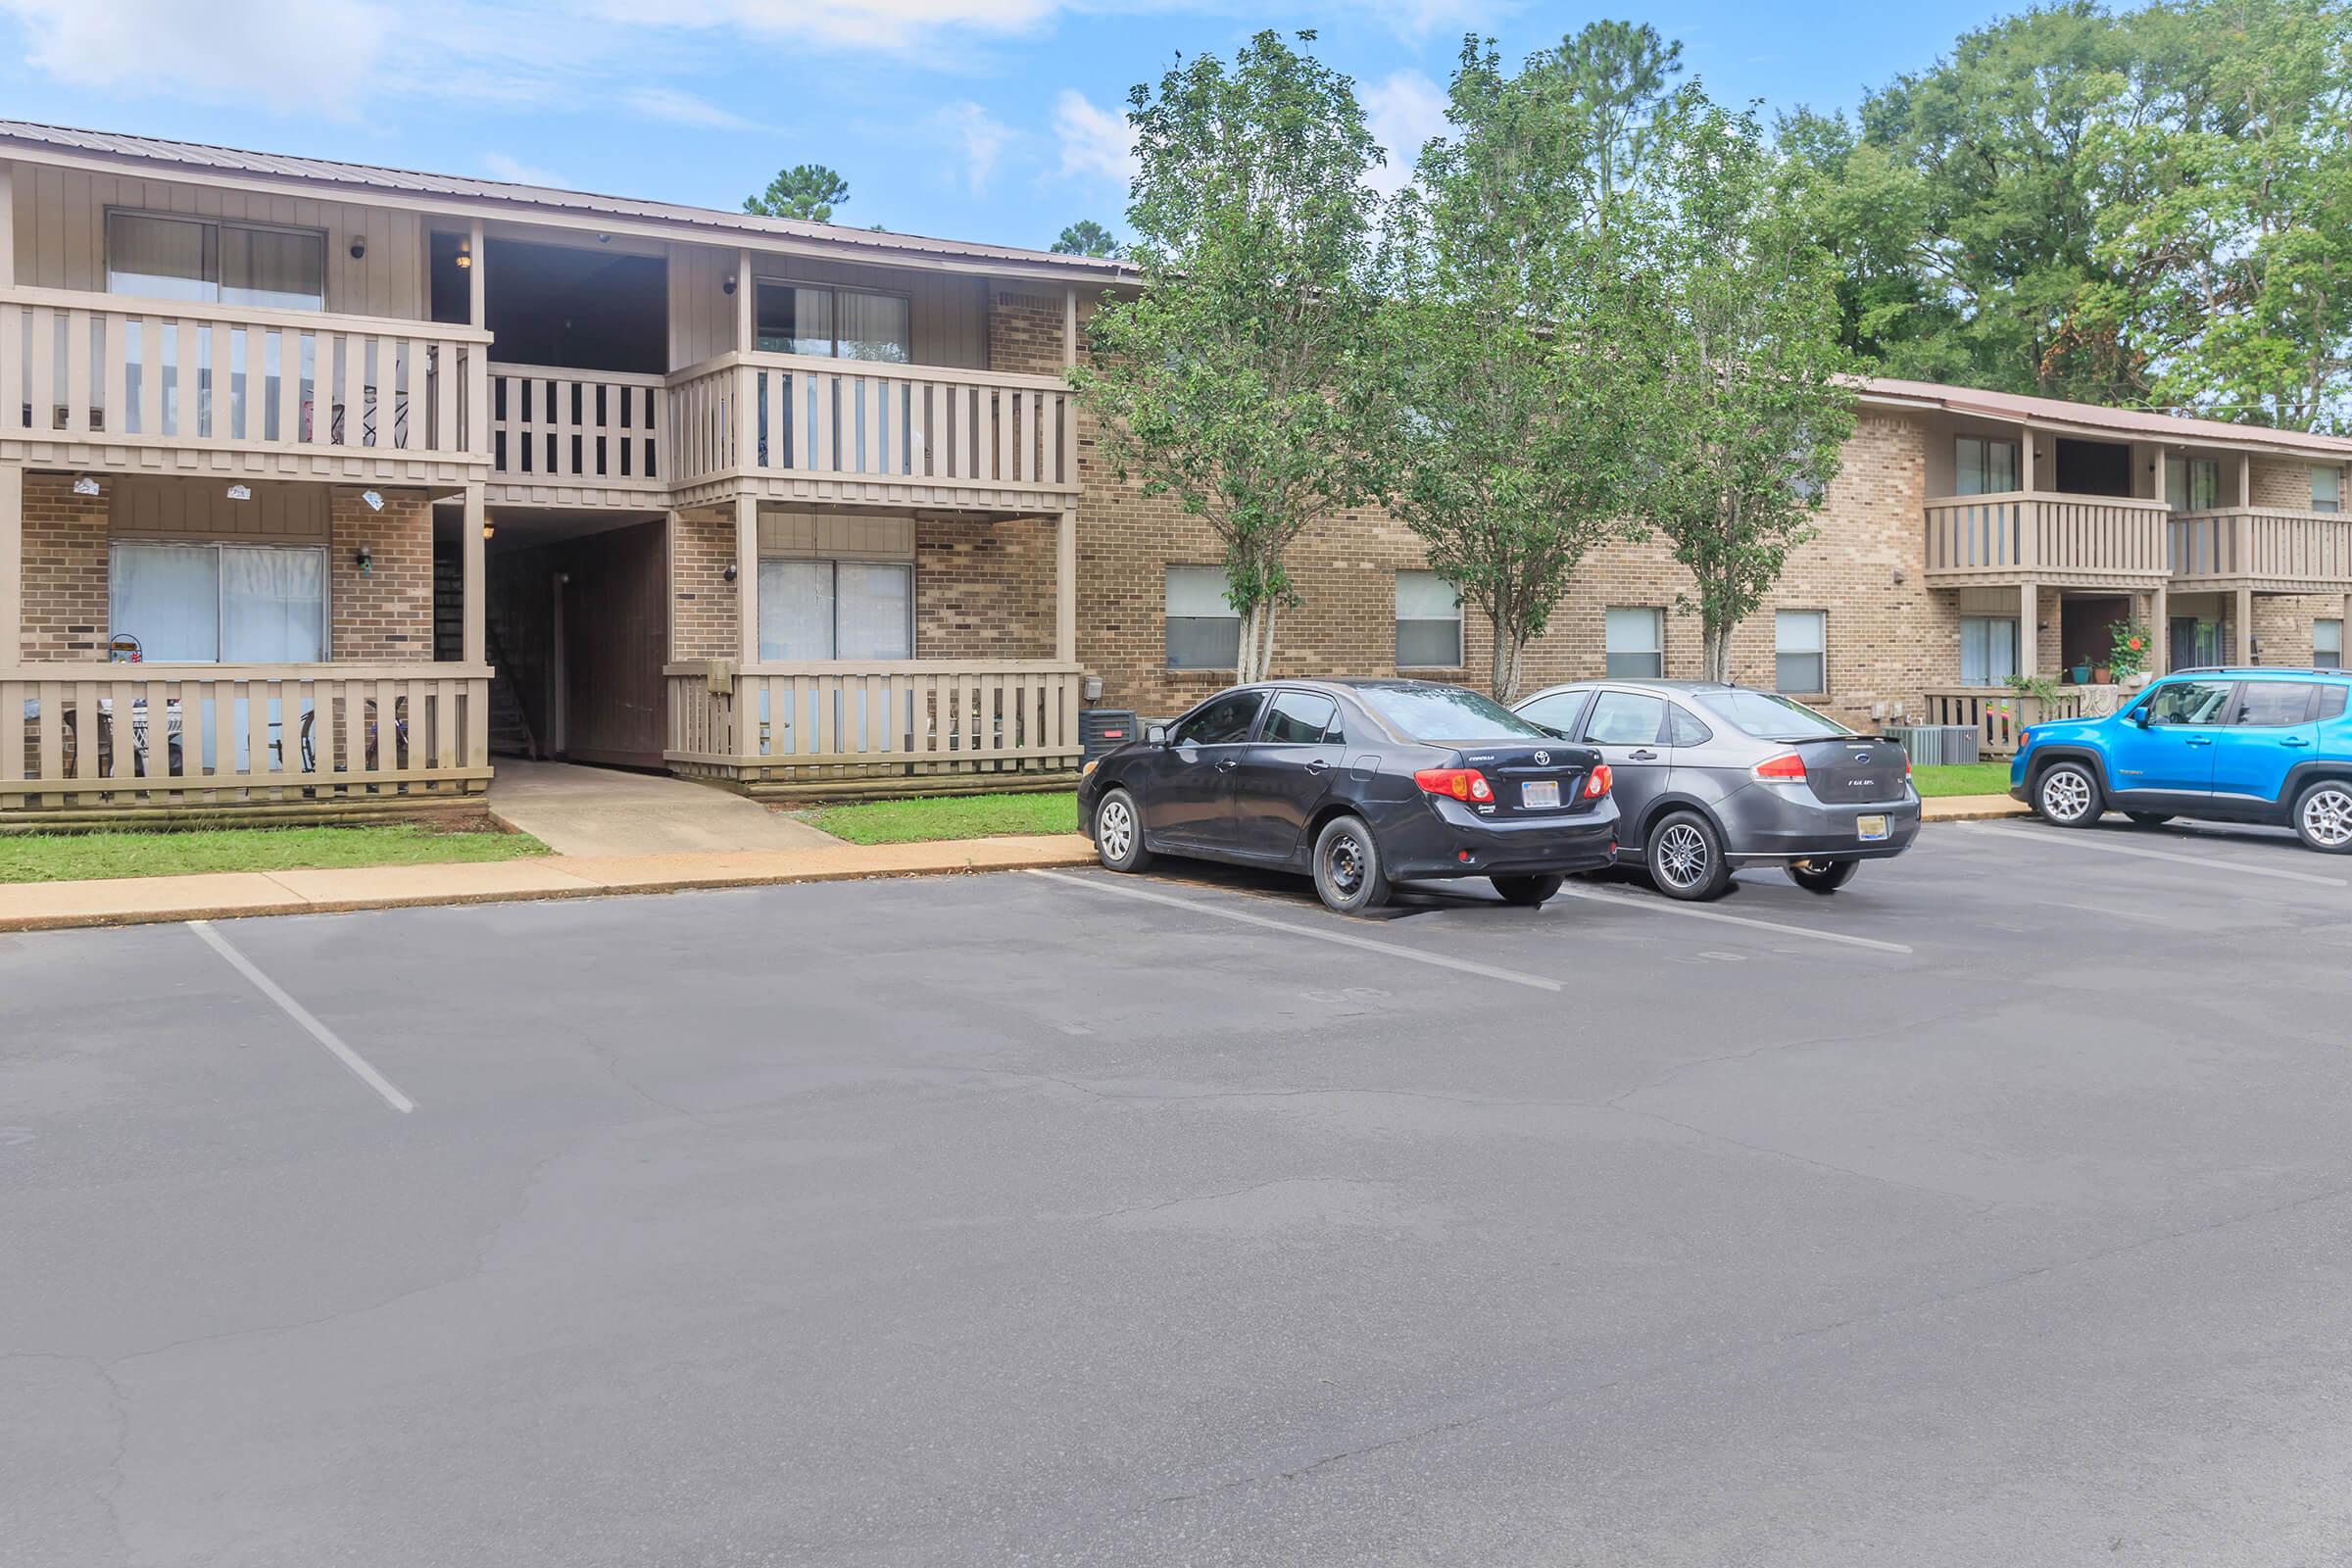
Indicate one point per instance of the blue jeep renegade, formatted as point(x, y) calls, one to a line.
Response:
point(2220, 745)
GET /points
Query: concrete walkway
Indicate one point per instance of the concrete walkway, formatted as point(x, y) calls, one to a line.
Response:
point(602, 811)
point(225, 895)
point(1971, 809)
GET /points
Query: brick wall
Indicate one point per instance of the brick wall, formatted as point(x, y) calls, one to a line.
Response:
point(386, 615)
point(2282, 624)
point(702, 617)
point(1024, 332)
point(984, 588)
point(64, 603)
point(2285, 485)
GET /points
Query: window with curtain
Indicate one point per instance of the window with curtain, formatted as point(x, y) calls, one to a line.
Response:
point(1428, 622)
point(1205, 631)
point(1983, 465)
point(861, 610)
point(219, 603)
point(1633, 643)
point(2328, 644)
point(157, 257)
point(1800, 643)
point(2326, 489)
point(2193, 484)
point(832, 322)
point(1988, 648)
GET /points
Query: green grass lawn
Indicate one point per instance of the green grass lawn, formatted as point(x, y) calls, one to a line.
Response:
point(75, 856)
point(1967, 778)
point(950, 817)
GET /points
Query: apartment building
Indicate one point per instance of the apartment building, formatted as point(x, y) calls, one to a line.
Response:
point(323, 485)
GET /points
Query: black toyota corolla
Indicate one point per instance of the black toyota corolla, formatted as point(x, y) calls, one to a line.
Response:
point(1360, 784)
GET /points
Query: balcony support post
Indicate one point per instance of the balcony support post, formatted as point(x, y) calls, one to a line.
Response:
point(472, 606)
point(1066, 586)
point(2029, 628)
point(12, 568)
point(2160, 631)
point(8, 227)
point(2025, 459)
point(2245, 626)
point(747, 587)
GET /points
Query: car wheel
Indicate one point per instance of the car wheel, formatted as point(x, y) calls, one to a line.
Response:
point(2149, 819)
point(1685, 858)
point(2323, 816)
point(2066, 795)
point(1349, 875)
point(1119, 833)
point(1527, 891)
point(1822, 876)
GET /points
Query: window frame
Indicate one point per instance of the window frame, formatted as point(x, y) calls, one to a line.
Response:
point(1991, 679)
point(1658, 652)
point(1821, 618)
point(2017, 461)
point(2335, 505)
point(326, 593)
point(1167, 651)
point(2337, 652)
point(836, 562)
point(759, 279)
point(2190, 468)
point(1397, 601)
point(106, 245)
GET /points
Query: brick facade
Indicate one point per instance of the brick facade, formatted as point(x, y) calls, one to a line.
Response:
point(702, 611)
point(984, 588)
point(65, 612)
point(387, 614)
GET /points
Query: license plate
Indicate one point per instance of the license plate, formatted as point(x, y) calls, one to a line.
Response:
point(1872, 827)
point(1540, 795)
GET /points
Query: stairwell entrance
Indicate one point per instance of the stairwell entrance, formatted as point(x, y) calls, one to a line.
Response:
point(577, 629)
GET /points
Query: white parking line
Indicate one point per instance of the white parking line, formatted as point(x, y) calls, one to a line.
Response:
point(2077, 839)
point(301, 1015)
point(1390, 949)
point(1657, 905)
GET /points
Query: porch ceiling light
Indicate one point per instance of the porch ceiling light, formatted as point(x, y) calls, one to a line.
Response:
point(240, 492)
point(84, 485)
point(376, 503)
point(465, 253)
point(489, 530)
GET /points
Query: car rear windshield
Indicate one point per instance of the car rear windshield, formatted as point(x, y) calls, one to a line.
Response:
point(1448, 714)
point(1770, 718)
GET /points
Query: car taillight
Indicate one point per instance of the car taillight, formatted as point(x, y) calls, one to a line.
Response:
point(1462, 783)
point(1786, 768)
point(1600, 782)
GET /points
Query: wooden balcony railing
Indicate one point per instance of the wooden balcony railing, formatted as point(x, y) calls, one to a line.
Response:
point(778, 415)
point(76, 736)
point(2262, 547)
point(1997, 713)
point(900, 716)
point(600, 428)
point(107, 372)
point(2002, 538)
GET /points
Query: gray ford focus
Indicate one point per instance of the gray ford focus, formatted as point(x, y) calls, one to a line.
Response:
point(1710, 779)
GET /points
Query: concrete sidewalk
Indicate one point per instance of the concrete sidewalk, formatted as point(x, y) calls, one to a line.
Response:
point(603, 812)
point(225, 895)
point(1971, 809)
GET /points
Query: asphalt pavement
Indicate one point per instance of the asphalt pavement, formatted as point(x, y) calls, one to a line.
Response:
point(1996, 1210)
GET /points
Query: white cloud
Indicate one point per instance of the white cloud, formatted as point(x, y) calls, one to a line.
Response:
point(499, 166)
point(982, 136)
point(682, 108)
point(305, 53)
point(856, 23)
point(1094, 141)
point(1402, 111)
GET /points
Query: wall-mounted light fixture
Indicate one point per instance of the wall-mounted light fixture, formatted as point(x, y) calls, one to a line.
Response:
point(728, 575)
point(489, 530)
point(367, 562)
point(359, 247)
point(728, 287)
point(375, 501)
point(465, 253)
point(240, 492)
point(84, 485)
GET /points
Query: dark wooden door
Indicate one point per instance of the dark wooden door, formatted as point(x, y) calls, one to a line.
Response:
point(616, 637)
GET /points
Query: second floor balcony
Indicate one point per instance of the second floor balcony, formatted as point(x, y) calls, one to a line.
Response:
point(2082, 541)
point(2265, 549)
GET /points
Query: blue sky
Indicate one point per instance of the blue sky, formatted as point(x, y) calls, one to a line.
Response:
point(985, 120)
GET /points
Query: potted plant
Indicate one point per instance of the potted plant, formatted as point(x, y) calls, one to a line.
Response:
point(2127, 651)
point(2080, 674)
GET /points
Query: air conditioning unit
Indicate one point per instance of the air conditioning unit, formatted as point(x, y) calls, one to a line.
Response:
point(1106, 729)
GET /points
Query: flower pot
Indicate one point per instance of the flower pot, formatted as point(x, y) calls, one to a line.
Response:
point(2080, 674)
point(2100, 676)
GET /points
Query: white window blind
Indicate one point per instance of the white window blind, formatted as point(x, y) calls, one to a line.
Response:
point(1429, 621)
point(1205, 631)
point(2328, 644)
point(1988, 649)
point(2326, 489)
point(219, 603)
point(1633, 643)
point(1801, 639)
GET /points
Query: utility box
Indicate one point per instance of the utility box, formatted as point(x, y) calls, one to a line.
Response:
point(1937, 744)
point(1106, 729)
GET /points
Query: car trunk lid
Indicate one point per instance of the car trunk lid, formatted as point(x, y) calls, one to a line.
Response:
point(1525, 774)
point(1853, 769)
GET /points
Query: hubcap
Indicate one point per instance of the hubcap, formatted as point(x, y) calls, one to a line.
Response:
point(2327, 817)
point(1117, 828)
point(1682, 856)
point(1343, 862)
point(2066, 794)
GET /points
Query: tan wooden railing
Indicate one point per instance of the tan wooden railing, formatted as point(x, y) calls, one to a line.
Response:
point(602, 428)
point(79, 736)
point(781, 414)
point(908, 716)
point(235, 377)
point(2261, 544)
point(2015, 534)
point(1997, 713)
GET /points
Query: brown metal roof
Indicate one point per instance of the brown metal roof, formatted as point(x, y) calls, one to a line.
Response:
point(2095, 417)
point(708, 222)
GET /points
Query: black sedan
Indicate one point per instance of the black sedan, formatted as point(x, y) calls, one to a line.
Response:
point(1360, 784)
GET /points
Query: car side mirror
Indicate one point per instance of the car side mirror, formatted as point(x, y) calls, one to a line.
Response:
point(1155, 734)
point(2139, 716)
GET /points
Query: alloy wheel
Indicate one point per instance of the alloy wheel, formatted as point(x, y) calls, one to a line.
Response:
point(1682, 856)
point(2327, 817)
point(2066, 794)
point(1116, 827)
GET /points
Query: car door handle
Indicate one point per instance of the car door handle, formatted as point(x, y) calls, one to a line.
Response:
point(1316, 764)
point(1645, 755)
point(2200, 740)
point(2294, 740)
point(1226, 764)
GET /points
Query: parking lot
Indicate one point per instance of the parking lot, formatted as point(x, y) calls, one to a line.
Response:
point(1997, 1209)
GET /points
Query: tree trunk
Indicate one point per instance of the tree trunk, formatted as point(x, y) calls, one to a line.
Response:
point(1716, 658)
point(1502, 675)
point(1256, 656)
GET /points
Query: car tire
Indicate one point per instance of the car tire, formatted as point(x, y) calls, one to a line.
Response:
point(1527, 891)
point(1351, 877)
point(2323, 816)
point(1119, 833)
point(1822, 876)
point(2066, 795)
point(2149, 819)
point(1685, 858)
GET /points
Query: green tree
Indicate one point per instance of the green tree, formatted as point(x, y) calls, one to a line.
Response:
point(1086, 237)
point(1513, 355)
point(1754, 406)
point(1618, 75)
point(808, 191)
point(1237, 381)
